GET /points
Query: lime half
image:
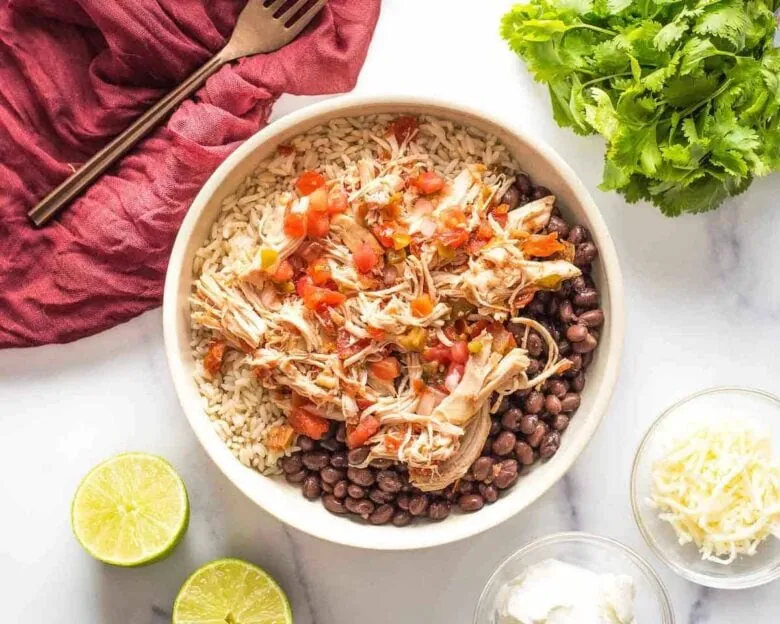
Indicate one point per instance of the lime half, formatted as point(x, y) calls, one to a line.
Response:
point(231, 591)
point(130, 510)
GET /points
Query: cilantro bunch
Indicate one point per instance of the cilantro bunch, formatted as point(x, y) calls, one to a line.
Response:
point(685, 92)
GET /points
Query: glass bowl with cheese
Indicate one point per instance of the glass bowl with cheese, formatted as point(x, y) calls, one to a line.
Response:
point(574, 578)
point(705, 487)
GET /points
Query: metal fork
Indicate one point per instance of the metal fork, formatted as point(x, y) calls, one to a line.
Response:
point(259, 28)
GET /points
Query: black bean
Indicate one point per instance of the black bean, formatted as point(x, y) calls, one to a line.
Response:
point(488, 492)
point(576, 365)
point(296, 477)
point(316, 460)
point(536, 437)
point(382, 514)
point(305, 443)
point(555, 386)
point(389, 481)
point(570, 402)
point(558, 225)
point(524, 453)
point(504, 443)
point(550, 445)
point(380, 497)
point(507, 474)
point(339, 460)
point(534, 402)
point(578, 284)
point(495, 427)
point(358, 456)
point(524, 184)
point(361, 507)
point(341, 433)
point(465, 487)
point(401, 518)
point(577, 333)
point(511, 197)
point(578, 382)
point(536, 307)
point(311, 487)
point(331, 444)
point(292, 464)
point(341, 489)
point(592, 318)
point(333, 504)
point(355, 491)
point(585, 254)
point(403, 501)
point(381, 463)
point(588, 298)
point(551, 308)
point(418, 505)
point(566, 311)
point(486, 449)
point(361, 476)
point(481, 468)
point(587, 358)
point(503, 405)
point(438, 510)
point(577, 234)
point(471, 502)
point(560, 422)
point(534, 345)
point(586, 346)
point(539, 192)
point(511, 419)
point(552, 404)
point(528, 423)
point(564, 347)
point(326, 487)
point(534, 366)
point(332, 475)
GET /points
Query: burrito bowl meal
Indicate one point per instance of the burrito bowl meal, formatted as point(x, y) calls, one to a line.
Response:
point(392, 315)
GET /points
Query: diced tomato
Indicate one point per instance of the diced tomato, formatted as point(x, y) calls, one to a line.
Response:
point(524, 298)
point(367, 427)
point(318, 201)
point(295, 225)
point(284, 272)
point(214, 357)
point(308, 424)
point(542, 245)
point(365, 258)
point(331, 297)
point(363, 403)
point(477, 328)
point(474, 245)
point(453, 238)
point(346, 348)
point(279, 437)
point(376, 333)
point(451, 332)
point(419, 386)
point(459, 352)
point(428, 182)
point(304, 286)
point(422, 305)
point(392, 443)
point(403, 128)
point(384, 234)
point(501, 219)
point(319, 270)
point(337, 201)
point(440, 353)
point(317, 224)
point(484, 232)
point(387, 368)
point(453, 218)
point(309, 182)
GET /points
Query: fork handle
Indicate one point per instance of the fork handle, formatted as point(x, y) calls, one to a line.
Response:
point(119, 146)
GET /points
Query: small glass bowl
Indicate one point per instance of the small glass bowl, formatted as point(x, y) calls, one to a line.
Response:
point(599, 554)
point(755, 406)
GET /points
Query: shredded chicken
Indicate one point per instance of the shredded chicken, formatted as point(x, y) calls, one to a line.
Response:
point(355, 335)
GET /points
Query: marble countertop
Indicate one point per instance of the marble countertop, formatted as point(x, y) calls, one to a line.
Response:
point(703, 305)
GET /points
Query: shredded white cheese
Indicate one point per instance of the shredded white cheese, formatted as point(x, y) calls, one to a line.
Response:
point(719, 487)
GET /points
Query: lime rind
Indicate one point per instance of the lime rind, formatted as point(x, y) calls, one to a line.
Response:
point(231, 590)
point(130, 510)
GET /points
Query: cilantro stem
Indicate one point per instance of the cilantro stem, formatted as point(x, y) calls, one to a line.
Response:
point(691, 109)
point(603, 31)
point(603, 78)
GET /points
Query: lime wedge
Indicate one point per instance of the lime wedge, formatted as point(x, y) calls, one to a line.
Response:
point(130, 510)
point(232, 591)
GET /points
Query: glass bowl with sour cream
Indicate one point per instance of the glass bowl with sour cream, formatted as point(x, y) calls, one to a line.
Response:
point(585, 578)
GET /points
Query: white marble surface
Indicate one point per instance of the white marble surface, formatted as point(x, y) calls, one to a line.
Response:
point(703, 306)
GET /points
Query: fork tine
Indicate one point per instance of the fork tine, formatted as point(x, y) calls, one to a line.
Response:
point(292, 10)
point(305, 19)
point(274, 5)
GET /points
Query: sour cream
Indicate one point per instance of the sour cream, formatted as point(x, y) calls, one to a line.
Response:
point(554, 592)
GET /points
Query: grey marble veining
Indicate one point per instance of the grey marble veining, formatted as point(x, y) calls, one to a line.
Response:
point(703, 303)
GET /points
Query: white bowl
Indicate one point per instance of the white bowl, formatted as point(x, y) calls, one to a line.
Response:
point(598, 554)
point(284, 501)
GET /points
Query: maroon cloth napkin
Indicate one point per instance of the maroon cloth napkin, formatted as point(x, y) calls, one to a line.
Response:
point(74, 73)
